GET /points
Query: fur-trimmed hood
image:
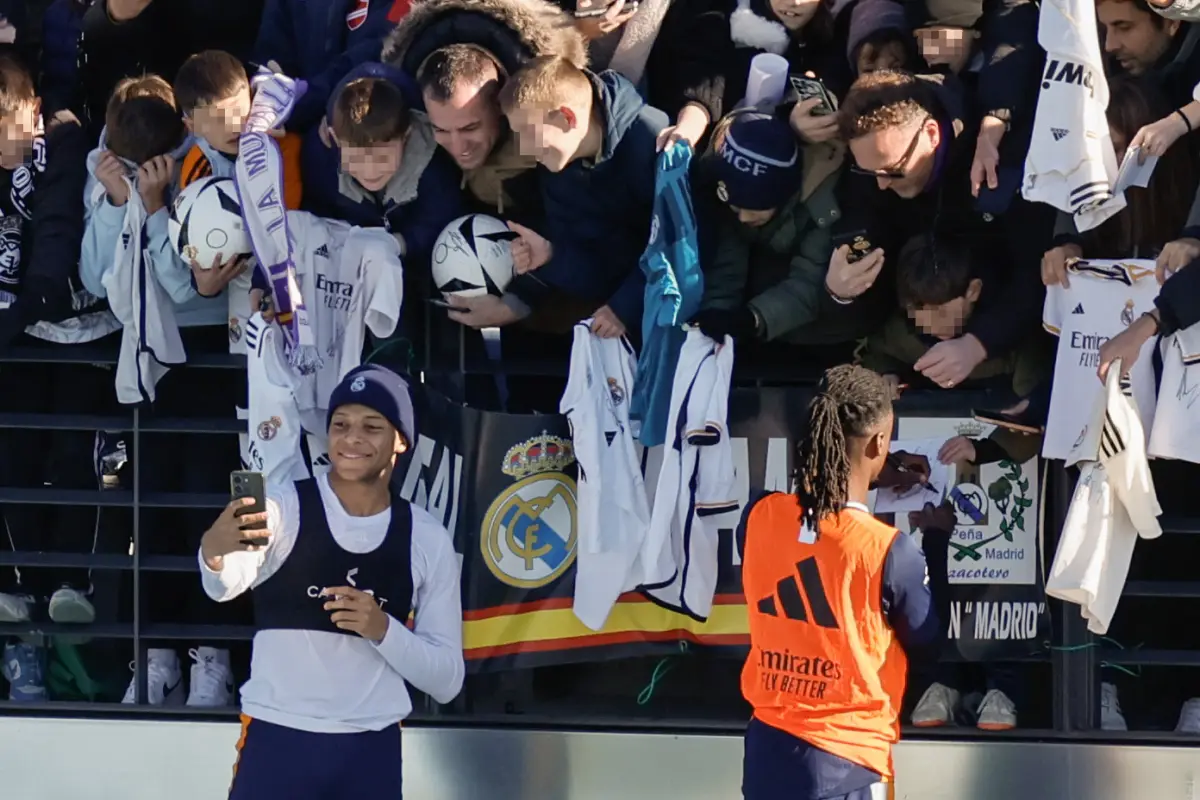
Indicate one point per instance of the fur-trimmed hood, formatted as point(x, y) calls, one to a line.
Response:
point(511, 30)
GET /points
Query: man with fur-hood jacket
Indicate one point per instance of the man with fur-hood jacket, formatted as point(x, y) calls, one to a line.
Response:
point(460, 51)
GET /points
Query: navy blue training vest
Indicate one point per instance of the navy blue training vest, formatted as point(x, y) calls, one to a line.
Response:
point(290, 598)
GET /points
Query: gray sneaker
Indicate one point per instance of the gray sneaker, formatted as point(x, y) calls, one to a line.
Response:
point(937, 707)
point(71, 607)
point(997, 712)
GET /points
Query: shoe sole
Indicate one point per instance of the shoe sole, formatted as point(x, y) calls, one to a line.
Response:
point(995, 726)
point(931, 723)
point(70, 614)
point(12, 618)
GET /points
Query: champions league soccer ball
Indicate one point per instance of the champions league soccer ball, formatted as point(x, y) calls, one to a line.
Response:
point(473, 257)
point(206, 221)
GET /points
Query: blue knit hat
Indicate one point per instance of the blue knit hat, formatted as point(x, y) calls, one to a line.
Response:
point(379, 389)
point(755, 161)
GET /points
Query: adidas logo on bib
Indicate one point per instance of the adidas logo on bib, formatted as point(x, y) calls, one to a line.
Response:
point(1058, 133)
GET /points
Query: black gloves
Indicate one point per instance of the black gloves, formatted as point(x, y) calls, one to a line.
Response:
point(717, 323)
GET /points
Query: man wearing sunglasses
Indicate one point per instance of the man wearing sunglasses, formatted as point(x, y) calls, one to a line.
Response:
point(913, 146)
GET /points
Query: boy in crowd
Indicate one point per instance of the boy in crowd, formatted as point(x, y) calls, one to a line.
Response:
point(766, 279)
point(144, 138)
point(213, 93)
point(385, 168)
point(940, 282)
point(595, 141)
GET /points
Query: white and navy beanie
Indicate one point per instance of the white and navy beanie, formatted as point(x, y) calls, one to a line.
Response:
point(754, 161)
point(379, 389)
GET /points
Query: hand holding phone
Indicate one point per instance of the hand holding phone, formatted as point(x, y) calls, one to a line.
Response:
point(808, 88)
point(252, 485)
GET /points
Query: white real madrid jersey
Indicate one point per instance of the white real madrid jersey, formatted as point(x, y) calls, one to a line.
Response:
point(351, 279)
point(614, 514)
point(272, 442)
point(1104, 298)
point(1176, 432)
point(696, 483)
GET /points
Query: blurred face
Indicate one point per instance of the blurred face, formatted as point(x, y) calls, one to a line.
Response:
point(886, 55)
point(220, 124)
point(753, 219)
point(946, 46)
point(373, 166)
point(1136, 39)
point(795, 14)
point(17, 132)
point(362, 444)
point(469, 124)
point(947, 320)
point(900, 158)
point(552, 137)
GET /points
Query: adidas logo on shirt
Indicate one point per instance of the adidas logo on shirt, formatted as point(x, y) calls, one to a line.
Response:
point(791, 595)
point(1078, 309)
point(322, 251)
point(1058, 133)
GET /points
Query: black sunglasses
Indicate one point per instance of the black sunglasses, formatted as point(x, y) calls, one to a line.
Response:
point(900, 169)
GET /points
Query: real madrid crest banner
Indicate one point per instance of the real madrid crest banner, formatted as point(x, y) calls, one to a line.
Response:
point(504, 485)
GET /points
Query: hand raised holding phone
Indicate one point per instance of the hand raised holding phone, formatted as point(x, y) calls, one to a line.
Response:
point(228, 534)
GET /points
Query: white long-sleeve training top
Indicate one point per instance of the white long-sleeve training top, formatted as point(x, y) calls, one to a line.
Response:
point(334, 683)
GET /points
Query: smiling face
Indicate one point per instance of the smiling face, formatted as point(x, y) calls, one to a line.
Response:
point(362, 443)
point(795, 14)
point(469, 123)
point(375, 165)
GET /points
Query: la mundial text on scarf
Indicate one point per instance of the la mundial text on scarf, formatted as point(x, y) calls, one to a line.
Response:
point(260, 192)
point(505, 486)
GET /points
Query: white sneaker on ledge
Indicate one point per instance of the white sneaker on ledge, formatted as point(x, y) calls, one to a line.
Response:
point(211, 679)
point(164, 681)
point(15, 607)
point(1111, 718)
point(997, 712)
point(71, 607)
point(937, 707)
point(1189, 717)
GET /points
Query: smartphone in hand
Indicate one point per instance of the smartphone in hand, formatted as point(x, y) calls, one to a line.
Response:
point(243, 483)
point(860, 245)
point(808, 88)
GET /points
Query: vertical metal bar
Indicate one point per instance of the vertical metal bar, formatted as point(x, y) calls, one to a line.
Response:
point(139, 658)
point(1076, 695)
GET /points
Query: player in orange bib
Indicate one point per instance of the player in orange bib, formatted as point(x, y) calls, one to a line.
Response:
point(836, 598)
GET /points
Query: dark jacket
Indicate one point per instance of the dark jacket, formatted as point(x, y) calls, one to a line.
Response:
point(598, 212)
point(704, 49)
point(48, 201)
point(1179, 300)
point(1178, 71)
point(513, 31)
point(1015, 232)
point(313, 40)
point(62, 25)
point(779, 269)
point(419, 201)
point(23, 46)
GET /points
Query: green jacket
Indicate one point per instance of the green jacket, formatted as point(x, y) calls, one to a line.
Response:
point(778, 270)
point(897, 346)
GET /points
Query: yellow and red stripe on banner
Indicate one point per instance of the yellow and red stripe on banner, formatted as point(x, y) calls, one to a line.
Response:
point(548, 625)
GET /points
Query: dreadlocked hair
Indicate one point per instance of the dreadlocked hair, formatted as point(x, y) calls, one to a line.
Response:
point(850, 401)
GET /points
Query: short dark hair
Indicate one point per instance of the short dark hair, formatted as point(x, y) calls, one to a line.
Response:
point(1156, 19)
point(933, 270)
point(142, 120)
point(455, 65)
point(884, 99)
point(209, 77)
point(16, 86)
point(369, 111)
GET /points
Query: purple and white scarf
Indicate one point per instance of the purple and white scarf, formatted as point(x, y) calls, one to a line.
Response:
point(260, 191)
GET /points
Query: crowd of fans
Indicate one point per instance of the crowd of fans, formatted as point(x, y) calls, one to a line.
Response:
point(892, 232)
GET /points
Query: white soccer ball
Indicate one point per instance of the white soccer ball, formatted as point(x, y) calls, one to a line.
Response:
point(473, 257)
point(206, 222)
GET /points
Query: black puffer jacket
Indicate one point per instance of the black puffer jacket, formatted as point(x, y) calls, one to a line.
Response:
point(703, 52)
